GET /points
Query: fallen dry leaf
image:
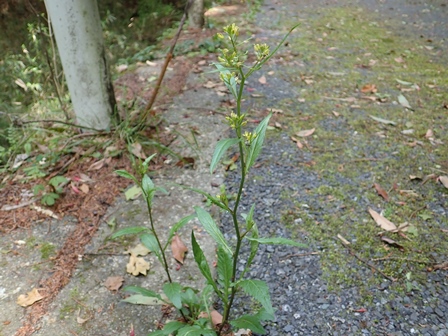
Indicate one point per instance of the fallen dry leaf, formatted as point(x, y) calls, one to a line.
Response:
point(216, 317)
point(139, 250)
point(369, 88)
point(114, 283)
point(137, 265)
point(29, 298)
point(429, 134)
point(178, 248)
point(336, 114)
point(262, 80)
point(305, 133)
point(298, 143)
point(443, 180)
point(99, 164)
point(84, 188)
point(384, 223)
point(391, 242)
point(137, 150)
point(381, 192)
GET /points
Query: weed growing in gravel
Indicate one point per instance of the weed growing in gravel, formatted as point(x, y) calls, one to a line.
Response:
point(194, 306)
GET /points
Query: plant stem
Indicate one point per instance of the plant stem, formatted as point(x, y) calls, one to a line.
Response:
point(153, 230)
point(162, 251)
point(234, 214)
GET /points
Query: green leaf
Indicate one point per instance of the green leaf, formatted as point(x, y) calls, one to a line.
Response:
point(249, 322)
point(232, 85)
point(253, 246)
point(277, 241)
point(158, 333)
point(173, 326)
point(143, 300)
point(125, 174)
point(195, 331)
point(173, 292)
point(225, 270)
point(250, 218)
point(129, 231)
point(180, 224)
point(257, 144)
point(202, 263)
point(132, 193)
point(212, 199)
point(147, 160)
point(259, 291)
point(263, 315)
point(221, 147)
point(57, 180)
point(142, 291)
point(210, 226)
point(150, 241)
point(148, 188)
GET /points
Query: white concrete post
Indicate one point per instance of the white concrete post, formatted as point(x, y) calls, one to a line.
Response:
point(78, 33)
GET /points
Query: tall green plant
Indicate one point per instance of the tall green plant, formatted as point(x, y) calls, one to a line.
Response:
point(189, 302)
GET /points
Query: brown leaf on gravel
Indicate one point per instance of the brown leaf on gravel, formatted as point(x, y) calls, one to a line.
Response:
point(298, 143)
point(262, 80)
point(178, 248)
point(369, 88)
point(305, 133)
point(383, 222)
point(114, 283)
point(29, 298)
point(391, 242)
point(381, 192)
point(443, 180)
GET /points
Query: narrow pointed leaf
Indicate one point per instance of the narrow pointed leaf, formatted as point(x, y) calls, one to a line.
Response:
point(143, 300)
point(125, 174)
point(225, 270)
point(212, 199)
point(129, 231)
point(149, 241)
point(195, 331)
point(173, 326)
point(210, 226)
point(253, 247)
point(202, 263)
point(142, 291)
point(259, 291)
point(257, 144)
point(250, 218)
point(148, 188)
point(180, 224)
point(173, 292)
point(221, 147)
point(277, 241)
point(249, 322)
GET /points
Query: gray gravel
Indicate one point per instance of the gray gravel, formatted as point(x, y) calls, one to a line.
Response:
point(303, 302)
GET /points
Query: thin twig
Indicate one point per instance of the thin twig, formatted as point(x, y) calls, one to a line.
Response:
point(299, 255)
point(366, 159)
point(353, 253)
point(57, 121)
point(18, 206)
point(403, 259)
point(415, 212)
point(168, 58)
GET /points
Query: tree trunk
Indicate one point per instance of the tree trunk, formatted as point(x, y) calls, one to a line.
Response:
point(78, 33)
point(196, 14)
